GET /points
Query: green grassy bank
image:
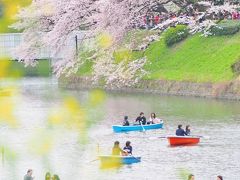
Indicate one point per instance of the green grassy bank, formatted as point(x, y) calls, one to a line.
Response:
point(17, 69)
point(195, 59)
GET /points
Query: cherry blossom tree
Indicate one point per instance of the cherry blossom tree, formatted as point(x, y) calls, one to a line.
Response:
point(51, 23)
point(104, 23)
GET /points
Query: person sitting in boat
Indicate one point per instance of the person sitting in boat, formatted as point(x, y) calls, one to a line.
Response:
point(125, 121)
point(116, 150)
point(141, 119)
point(154, 120)
point(188, 130)
point(180, 131)
point(128, 148)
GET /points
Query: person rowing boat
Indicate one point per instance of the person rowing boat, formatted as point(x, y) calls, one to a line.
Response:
point(141, 119)
point(180, 131)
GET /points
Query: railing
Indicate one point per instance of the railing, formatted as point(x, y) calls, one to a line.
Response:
point(9, 41)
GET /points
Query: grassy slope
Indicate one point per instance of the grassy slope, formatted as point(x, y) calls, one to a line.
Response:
point(85, 69)
point(136, 38)
point(197, 59)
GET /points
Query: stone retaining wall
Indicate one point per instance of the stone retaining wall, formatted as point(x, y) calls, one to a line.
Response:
point(227, 90)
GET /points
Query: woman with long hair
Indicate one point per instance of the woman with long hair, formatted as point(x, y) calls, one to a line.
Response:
point(188, 130)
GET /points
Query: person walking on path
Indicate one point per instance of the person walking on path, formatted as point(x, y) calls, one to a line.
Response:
point(28, 176)
point(191, 177)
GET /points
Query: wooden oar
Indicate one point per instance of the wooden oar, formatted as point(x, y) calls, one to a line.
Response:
point(135, 158)
point(142, 127)
point(98, 152)
point(93, 160)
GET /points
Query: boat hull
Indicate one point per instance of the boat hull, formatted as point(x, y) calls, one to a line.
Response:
point(119, 159)
point(109, 161)
point(183, 140)
point(119, 129)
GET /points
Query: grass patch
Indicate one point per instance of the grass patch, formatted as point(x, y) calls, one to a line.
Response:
point(197, 59)
point(85, 69)
point(127, 55)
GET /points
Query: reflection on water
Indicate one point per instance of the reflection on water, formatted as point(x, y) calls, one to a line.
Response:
point(217, 120)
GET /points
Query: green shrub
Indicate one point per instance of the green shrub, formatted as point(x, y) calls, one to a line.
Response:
point(42, 69)
point(228, 27)
point(218, 2)
point(175, 34)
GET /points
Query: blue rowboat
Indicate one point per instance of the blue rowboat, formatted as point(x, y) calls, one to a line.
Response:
point(119, 128)
point(108, 161)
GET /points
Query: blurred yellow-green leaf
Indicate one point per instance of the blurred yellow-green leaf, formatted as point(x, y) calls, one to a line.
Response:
point(105, 40)
point(8, 10)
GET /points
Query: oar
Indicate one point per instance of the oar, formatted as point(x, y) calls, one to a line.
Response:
point(205, 137)
point(135, 158)
point(98, 152)
point(93, 160)
point(159, 137)
point(142, 127)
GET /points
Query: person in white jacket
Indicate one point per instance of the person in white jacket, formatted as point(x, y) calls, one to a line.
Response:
point(154, 120)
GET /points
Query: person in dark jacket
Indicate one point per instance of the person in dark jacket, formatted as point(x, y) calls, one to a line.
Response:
point(180, 131)
point(128, 148)
point(141, 119)
point(125, 121)
point(188, 130)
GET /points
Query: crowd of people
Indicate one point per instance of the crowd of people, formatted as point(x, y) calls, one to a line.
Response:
point(150, 20)
point(236, 15)
point(224, 15)
point(141, 120)
point(48, 176)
